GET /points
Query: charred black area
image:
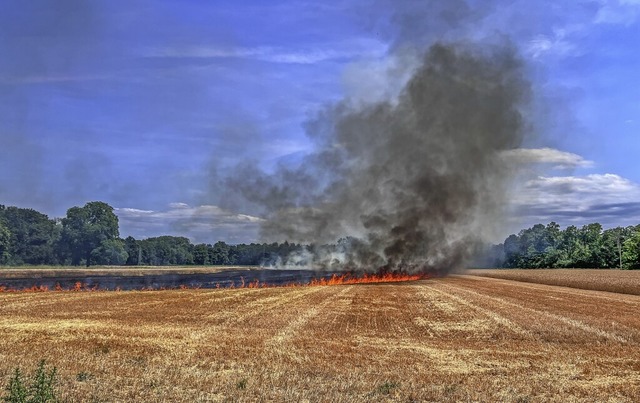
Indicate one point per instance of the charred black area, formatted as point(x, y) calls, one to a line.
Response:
point(225, 279)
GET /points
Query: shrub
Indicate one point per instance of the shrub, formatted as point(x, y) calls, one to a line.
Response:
point(387, 387)
point(16, 391)
point(242, 384)
point(42, 388)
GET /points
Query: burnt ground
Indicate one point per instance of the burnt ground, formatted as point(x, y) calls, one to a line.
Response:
point(154, 279)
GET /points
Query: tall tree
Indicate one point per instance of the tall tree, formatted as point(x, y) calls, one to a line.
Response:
point(590, 255)
point(167, 250)
point(201, 254)
point(631, 250)
point(110, 252)
point(33, 236)
point(5, 239)
point(220, 254)
point(86, 228)
point(134, 251)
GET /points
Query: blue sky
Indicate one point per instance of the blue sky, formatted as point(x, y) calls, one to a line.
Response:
point(138, 103)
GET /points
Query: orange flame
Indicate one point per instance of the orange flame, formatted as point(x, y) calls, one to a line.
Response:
point(335, 279)
point(367, 279)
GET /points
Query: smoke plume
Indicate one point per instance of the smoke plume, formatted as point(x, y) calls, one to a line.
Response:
point(415, 184)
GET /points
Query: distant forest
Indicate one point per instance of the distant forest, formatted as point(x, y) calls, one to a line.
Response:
point(89, 235)
point(551, 247)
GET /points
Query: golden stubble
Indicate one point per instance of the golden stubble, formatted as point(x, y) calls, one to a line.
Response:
point(612, 280)
point(461, 338)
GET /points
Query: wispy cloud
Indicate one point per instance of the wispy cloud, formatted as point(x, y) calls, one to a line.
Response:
point(556, 44)
point(618, 12)
point(204, 223)
point(274, 54)
point(549, 156)
point(606, 198)
point(569, 38)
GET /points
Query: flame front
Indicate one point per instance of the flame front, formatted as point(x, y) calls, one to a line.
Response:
point(335, 279)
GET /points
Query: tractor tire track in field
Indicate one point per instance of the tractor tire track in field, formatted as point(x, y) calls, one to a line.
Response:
point(601, 309)
point(632, 300)
point(535, 318)
point(262, 304)
point(491, 314)
point(594, 307)
point(288, 332)
point(243, 315)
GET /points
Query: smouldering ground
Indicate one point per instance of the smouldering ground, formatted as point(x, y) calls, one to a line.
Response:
point(57, 271)
point(462, 338)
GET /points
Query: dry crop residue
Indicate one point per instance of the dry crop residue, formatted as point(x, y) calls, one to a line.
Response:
point(618, 281)
point(459, 338)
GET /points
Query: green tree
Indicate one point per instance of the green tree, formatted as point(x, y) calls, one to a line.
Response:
point(631, 251)
point(86, 228)
point(534, 247)
point(110, 252)
point(612, 242)
point(512, 251)
point(5, 239)
point(552, 253)
point(134, 251)
point(167, 250)
point(587, 247)
point(220, 254)
point(33, 236)
point(201, 254)
point(569, 247)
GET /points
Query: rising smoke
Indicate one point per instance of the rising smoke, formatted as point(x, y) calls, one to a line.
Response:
point(415, 184)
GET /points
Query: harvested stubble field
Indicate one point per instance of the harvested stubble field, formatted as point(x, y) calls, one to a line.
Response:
point(620, 281)
point(462, 338)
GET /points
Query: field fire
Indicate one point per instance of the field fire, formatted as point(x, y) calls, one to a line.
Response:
point(319, 201)
point(459, 338)
point(221, 279)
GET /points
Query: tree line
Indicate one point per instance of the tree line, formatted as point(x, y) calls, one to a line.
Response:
point(548, 246)
point(89, 235)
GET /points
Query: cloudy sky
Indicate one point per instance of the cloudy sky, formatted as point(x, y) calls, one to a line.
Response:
point(142, 104)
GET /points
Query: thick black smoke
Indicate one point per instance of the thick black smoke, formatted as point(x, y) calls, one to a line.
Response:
point(414, 184)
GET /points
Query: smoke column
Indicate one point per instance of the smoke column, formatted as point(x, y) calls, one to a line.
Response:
point(414, 184)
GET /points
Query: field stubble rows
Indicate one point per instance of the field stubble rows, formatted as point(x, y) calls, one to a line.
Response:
point(458, 338)
point(619, 281)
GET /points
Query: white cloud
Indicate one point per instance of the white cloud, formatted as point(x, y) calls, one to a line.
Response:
point(584, 190)
point(132, 211)
point(272, 54)
point(178, 205)
point(575, 22)
point(559, 159)
point(556, 45)
point(618, 12)
point(204, 223)
point(606, 198)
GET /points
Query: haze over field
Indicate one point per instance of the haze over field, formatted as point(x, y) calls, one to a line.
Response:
point(175, 112)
